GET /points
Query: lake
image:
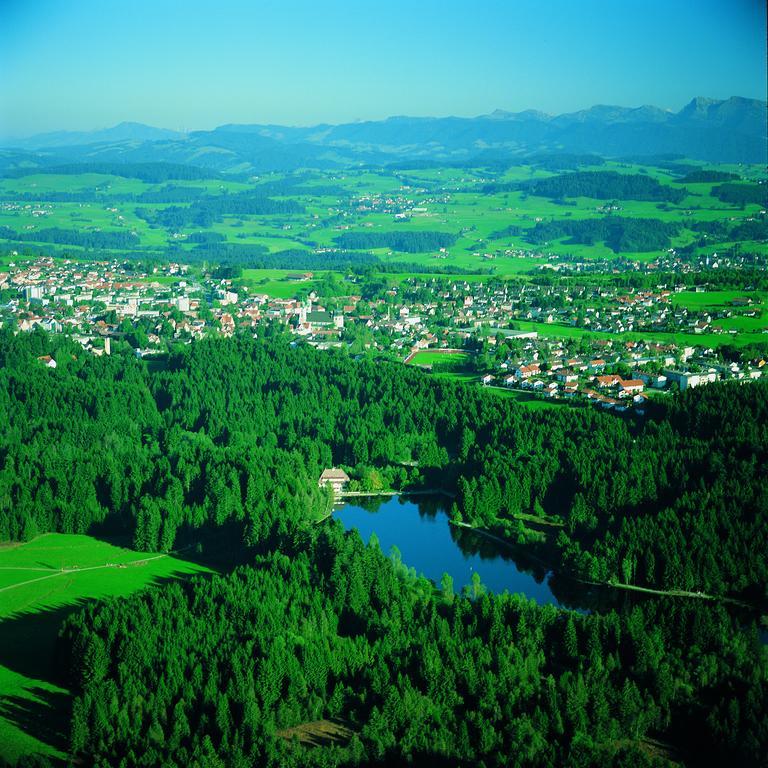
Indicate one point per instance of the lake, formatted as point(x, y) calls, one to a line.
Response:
point(419, 528)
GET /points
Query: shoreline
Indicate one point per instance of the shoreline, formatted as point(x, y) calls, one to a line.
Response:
point(416, 492)
point(614, 584)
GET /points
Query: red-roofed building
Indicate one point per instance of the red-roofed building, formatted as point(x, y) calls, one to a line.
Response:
point(526, 371)
point(631, 386)
point(604, 382)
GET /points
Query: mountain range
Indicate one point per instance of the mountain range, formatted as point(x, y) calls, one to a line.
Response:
point(730, 130)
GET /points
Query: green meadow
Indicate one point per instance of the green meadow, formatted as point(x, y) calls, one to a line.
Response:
point(438, 358)
point(41, 582)
point(451, 200)
point(557, 331)
point(699, 301)
point(528, 399)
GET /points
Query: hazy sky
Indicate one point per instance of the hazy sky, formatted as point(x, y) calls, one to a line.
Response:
point(185, 64)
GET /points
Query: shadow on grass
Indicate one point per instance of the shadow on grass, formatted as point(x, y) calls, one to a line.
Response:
point(219, 548)
point(43, 716)
point(28, 641)
point(27, 647)
point(29, 638)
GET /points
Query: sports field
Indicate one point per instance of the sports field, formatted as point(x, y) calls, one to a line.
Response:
point(438, 358)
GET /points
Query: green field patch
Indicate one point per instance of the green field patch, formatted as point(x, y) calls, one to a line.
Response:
point(441, 360)
point(698, 301)
point(41, 582)
point(527, 399)
point(743, 324)
point(713, 340)
point(281, 283)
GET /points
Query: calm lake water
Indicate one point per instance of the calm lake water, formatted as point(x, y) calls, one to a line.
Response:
point(419, 528)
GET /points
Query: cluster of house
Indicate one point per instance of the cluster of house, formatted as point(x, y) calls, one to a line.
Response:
point(547, 367)
point(400, 206)
point(418, 309)
point(96, 302)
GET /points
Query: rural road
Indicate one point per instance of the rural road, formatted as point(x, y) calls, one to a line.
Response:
point(69, 571)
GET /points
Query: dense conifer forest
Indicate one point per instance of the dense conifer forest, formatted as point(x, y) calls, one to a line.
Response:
point(239, 430)
point(406, 241)
point(230, 436)
point(600, 185)
point(605, 185)
point(619, 233)
point(325, 627)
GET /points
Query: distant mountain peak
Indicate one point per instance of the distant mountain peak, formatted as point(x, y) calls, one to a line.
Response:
point(125, 131)
point(699, 105)
point(526, 114)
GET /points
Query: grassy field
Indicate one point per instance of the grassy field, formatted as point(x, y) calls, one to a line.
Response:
point(716, 299)
point(448, 200)
point(556, 331)
point(527, 399)
point(438, 358)
point(41, 582)
point(275, 282)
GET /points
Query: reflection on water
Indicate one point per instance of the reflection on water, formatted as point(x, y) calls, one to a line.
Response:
point(419, 528)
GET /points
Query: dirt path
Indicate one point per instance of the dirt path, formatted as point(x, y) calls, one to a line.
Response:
point(71, 571)
point(673, 593)
point(417, 492)
point(612, 584)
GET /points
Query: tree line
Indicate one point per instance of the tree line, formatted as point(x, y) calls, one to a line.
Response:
point(742, 194)
point(619, 233)
point(211, 208)
point(599, 185)
point(404, 241)
point(78, 237)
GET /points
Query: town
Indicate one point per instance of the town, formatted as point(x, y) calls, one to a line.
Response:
point(576, 342)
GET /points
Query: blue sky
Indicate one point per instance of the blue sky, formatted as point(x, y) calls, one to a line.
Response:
point(184, 64)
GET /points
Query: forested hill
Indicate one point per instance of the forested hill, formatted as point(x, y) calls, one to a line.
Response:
point(230, 435)
point(605, 185)
point(220, 672)
point(238, 431)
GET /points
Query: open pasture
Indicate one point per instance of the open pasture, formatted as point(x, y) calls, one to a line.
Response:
point(698, 301)
point(41, 582)
point(452, 200)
